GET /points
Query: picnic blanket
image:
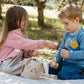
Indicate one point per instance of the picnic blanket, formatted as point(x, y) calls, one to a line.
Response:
point(12, 79)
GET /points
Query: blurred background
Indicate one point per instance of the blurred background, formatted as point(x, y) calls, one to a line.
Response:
point(43, 21)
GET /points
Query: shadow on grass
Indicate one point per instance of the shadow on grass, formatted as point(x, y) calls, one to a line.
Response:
point(35, 31)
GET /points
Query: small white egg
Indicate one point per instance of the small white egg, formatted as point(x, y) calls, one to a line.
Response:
point(55, 64)
point(56, 43)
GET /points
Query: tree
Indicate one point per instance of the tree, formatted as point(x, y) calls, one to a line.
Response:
point(82, 4)
point(1, 1)
point(78, 2)
point(41, 6)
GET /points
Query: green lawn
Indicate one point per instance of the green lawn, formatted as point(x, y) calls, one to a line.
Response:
point(53, 30)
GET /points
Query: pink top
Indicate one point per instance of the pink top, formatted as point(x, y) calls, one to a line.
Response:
point(15, 42)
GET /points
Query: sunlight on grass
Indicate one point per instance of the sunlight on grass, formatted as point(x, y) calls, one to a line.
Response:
point(52, 30)
point(33, 28)
point(46, 54)
point(0, 21)
point(32, 16)
point(55, 22)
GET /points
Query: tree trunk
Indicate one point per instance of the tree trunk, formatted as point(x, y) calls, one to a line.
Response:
point(41, 6)
point(0, 11)
point(82, 4)
point(40, 16)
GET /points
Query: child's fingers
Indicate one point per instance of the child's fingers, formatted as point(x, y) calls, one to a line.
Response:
point(50, 62)
point(35, 54)
point(55, 61)
point(62, 52)
point(62, 55)
point(55, 67)
point(52, 46)
point(51, 65)
point(30, 53)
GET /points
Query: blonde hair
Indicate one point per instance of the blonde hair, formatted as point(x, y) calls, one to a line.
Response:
point(13, 15)
point(71, 11)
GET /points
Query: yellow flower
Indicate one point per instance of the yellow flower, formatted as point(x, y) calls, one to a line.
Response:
point(74, 44)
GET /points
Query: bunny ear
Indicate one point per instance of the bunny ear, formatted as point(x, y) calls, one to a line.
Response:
point(43, 69)
point(46, 67)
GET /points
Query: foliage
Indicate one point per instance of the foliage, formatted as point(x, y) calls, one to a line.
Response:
point(62, 3)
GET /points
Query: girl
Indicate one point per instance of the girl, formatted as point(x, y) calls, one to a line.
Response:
point(14, 40)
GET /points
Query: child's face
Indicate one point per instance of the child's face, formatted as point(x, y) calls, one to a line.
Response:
point(70, 25)
point(22, 25)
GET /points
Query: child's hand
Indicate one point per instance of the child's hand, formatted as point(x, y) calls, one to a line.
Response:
point(64, 53)
point(33, 53)
point(54, 64)
point(30, 53)
point(50, 44)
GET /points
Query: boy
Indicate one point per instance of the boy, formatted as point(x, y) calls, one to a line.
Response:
point(71, 52)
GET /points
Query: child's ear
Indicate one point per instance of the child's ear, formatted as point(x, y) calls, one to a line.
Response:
point(77, 19)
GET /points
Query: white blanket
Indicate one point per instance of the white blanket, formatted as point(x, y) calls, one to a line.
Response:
point(12, 79)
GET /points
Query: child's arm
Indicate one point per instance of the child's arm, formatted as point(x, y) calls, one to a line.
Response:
point(19, 42)
point(78, 54)
point(58, 56)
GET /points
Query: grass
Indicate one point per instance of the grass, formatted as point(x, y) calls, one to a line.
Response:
point(53, 30)
point(46, 54)
point(35, 31)
point(49, 31)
